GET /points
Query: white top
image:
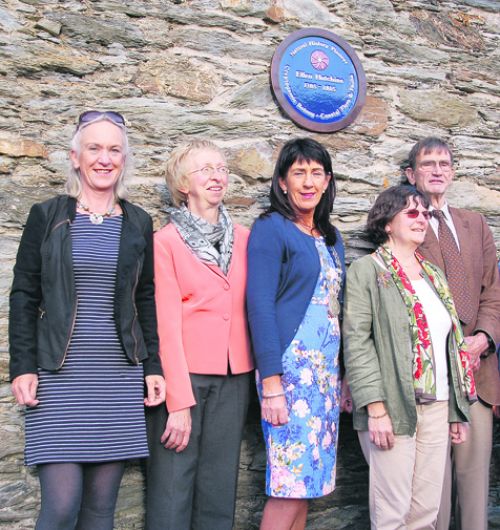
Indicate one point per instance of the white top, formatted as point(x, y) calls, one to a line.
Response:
point(439, 322)
point(449, 221)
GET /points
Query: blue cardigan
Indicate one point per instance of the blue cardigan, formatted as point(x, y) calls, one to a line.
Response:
point(283, 269)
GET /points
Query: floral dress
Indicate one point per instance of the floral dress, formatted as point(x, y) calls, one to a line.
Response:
point(301, 455)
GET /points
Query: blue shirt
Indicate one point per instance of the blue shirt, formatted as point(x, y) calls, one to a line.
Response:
point(283, 269)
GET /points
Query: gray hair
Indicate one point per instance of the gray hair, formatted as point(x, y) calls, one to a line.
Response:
point(73, 183)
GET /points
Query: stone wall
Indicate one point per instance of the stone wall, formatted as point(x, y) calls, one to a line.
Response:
point(178, 68)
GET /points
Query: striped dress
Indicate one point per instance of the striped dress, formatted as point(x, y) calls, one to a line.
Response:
point(91, 410)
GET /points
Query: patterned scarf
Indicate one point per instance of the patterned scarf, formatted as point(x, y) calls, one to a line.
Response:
point(424, 377)
point(210, 243)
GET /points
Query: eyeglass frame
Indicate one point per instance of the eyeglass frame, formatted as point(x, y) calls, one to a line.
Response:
point(445, 167)
point(208, 171)
point(413, 213)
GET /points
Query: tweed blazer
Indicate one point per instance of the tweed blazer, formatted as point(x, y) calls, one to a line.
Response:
point(478, 251)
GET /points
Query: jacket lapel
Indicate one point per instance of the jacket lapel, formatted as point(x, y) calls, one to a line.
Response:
point(430, 248)
point(462, 226)
point(216, 270)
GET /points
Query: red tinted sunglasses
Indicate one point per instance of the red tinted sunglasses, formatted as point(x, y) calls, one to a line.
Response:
point(414, 213)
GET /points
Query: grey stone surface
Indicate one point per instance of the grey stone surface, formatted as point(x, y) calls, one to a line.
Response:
point(181, 68)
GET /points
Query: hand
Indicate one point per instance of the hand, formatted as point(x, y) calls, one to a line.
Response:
point(24, 388)
point(178, 430)
point(380, 427)
point(458, 432)
point(156, 390)
point(476, 345)
point(345, 397)
point(274, 410)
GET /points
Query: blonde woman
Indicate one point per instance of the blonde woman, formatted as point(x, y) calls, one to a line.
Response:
point(83, 331)
point(200, 268)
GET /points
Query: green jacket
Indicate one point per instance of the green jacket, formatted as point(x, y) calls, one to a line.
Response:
point(378, 352)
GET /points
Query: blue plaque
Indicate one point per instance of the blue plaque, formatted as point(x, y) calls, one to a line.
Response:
point(318, 80)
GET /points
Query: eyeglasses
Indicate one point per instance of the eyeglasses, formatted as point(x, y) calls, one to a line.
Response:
point(208, 171)
point(92, 115)
point(414, 213)
point(428, 166)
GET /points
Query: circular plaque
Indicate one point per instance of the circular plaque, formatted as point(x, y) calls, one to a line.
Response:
point(318, 80)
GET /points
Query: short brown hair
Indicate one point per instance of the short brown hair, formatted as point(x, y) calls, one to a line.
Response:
point(387, 205)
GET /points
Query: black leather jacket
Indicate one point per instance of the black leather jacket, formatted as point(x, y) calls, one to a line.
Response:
point(43, 298)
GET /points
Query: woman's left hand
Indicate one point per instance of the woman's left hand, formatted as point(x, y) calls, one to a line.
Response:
point(156, 390)
point(458, 432)
point(345, 397)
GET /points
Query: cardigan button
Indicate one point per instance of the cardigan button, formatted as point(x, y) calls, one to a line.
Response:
point(226, 287)
point(225, 316)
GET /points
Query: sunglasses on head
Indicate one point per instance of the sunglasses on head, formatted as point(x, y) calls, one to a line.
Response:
point(92, 115)
point(414, 213)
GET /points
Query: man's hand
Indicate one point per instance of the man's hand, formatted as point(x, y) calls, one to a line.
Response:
point(476, 345)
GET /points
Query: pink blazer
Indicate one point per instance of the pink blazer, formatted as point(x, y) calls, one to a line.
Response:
point(201, 313)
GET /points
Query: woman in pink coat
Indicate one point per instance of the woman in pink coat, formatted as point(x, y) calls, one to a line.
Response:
point(200, 277)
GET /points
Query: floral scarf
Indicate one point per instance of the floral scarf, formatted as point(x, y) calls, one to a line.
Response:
point(424, 377)
point(210, 243)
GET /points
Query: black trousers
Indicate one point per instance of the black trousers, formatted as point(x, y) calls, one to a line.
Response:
point(196, 488)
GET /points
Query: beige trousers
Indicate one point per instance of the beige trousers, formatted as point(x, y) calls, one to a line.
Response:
point(406, 481)
point(471, 462)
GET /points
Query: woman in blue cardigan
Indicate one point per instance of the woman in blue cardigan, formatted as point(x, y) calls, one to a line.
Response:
point(294, 294)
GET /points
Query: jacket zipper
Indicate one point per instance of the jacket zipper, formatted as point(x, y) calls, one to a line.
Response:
point(73, 320)
point(59, 224)
point(136, 358)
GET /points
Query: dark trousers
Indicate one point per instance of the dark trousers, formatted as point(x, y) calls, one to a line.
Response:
point(196, 488)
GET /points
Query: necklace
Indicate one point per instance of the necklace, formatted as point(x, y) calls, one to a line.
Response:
point(310, 229)
point(96, 218)
point(335, 286)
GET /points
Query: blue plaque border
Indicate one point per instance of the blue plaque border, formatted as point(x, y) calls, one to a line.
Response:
point(289, 109)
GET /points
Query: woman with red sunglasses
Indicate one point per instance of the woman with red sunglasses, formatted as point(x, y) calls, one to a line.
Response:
point(82, 332)
point(406, 364)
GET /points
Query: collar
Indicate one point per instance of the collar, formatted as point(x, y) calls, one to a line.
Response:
point(445, 209)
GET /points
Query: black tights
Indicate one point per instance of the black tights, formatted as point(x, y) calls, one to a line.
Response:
point(78, 496)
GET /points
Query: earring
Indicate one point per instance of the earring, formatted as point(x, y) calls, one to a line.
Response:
point(285, 191)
